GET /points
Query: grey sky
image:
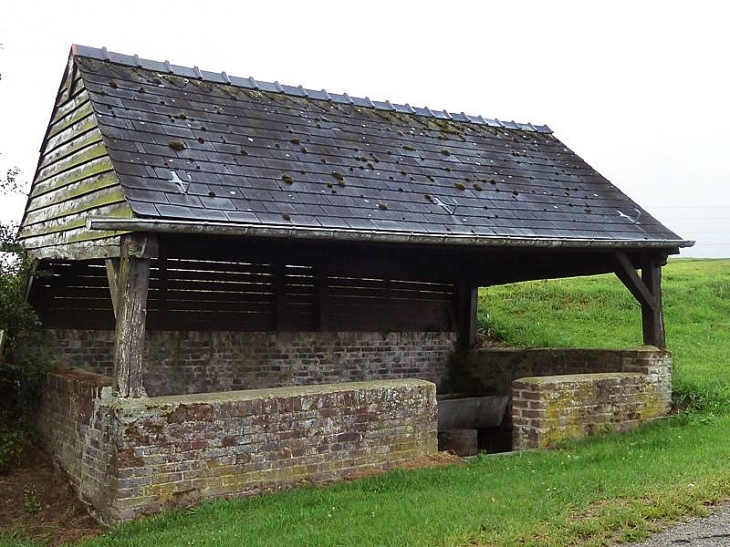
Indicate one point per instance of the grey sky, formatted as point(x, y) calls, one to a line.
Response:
point(638, 89)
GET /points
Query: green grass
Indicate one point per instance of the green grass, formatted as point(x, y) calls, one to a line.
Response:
point(664, 470)
point(611, 487)
point(599, 312)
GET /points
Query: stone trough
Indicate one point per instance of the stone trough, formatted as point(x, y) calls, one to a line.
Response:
point(460, 419)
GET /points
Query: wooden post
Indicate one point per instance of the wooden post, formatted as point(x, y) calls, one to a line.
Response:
point(465, 307)
point(652, 318)
point(112, 274)
point(647, 291)
point(280, 304)
point(322, 298)
point(132, 282)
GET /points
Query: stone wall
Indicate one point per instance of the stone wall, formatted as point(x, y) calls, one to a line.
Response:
point(204, 362)
point(163, 452)
point(550, 409)
point(77, 433)
point(492, 371)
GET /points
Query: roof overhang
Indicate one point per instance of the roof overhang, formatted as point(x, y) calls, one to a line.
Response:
point(381, 236)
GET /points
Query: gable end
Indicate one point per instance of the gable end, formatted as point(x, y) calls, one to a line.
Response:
point(74, 179)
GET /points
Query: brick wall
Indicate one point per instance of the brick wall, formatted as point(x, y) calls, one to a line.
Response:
point(77, 433)
point(550, 409)
point(163, 452)
point(492, 371)
point(204, 362)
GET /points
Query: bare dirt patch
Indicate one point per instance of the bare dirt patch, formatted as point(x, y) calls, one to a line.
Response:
point(36, 502)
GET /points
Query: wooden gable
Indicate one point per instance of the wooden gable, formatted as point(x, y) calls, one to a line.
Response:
point(74, 178)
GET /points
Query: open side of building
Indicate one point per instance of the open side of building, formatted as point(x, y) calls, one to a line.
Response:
point(266, 283)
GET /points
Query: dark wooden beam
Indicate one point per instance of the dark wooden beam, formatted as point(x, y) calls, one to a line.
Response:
point(647, 291)
point(2, 344)
point(322, 298)
point(628, 276)
point(280, 313)
point(29, 278)
point(112, 273)
point(465, 312)
point(133, 282)
point(652, 318)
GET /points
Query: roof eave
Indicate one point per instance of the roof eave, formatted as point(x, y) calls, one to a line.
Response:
point(349, 234)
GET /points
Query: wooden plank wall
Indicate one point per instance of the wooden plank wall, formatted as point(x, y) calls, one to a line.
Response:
point(197, 294)
point(74, 179)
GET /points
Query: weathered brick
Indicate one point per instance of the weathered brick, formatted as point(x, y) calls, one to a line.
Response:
point(204, 362)
point(161, 455)
point(578, 405)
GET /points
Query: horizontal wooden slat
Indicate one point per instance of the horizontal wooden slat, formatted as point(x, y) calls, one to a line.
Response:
point(72, 221)
point(81, 156)
point(210, 276)
point(72, 191)
point(83, 111)
point(69, 105)
point(87, 170)
point(93, 320)
point(106, 196)
point(70, 133)
point(229, 287)
point(71, 147)
point(212, 306)
point(209, 296)
point(349, 293)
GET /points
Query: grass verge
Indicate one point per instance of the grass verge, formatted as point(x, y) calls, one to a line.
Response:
point(594, 492)
point(587, 492)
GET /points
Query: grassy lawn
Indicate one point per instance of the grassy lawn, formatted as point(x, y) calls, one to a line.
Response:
point(599, 312)
point(611, 487)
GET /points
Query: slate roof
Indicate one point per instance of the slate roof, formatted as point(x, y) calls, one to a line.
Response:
point(208, 148)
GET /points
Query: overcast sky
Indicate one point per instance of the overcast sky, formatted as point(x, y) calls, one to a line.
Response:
point(640, 90)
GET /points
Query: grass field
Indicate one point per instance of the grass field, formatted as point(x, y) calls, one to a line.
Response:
point(612, 487)
point(598, 311)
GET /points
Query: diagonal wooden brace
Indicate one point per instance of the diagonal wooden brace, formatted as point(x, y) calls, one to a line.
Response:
point(647, 291)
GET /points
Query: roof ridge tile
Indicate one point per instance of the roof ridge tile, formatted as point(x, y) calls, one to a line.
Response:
point(103, 54)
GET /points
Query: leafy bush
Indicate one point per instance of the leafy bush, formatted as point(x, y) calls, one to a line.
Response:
point(12, 444)
point(22, 364)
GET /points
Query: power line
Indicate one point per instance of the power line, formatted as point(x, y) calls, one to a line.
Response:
point(689, 207)
point(695, 218)
point(706, 233)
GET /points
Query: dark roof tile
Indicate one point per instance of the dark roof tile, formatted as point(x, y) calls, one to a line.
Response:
point(196, 145)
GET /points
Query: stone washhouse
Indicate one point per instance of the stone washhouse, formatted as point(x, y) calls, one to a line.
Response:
point(246, 285)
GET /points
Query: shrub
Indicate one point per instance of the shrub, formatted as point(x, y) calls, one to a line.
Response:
point(22, 364)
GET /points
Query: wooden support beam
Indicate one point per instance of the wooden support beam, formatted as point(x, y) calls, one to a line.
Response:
point(112, 273)
point(465, 308)
point(652, 318)
point(132, 284)
point(30, 277)
point(280, 312)
point(3, 336)
point(647, 291)
point(322, 298)
point(628, 276)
